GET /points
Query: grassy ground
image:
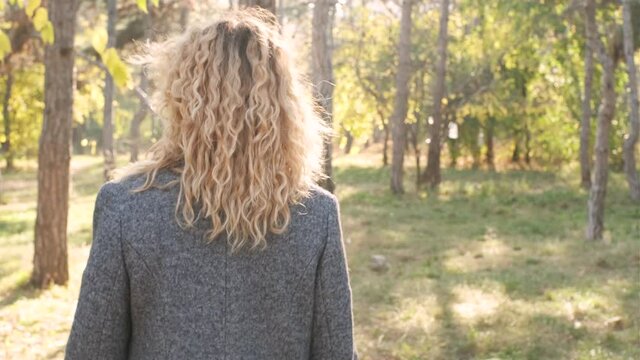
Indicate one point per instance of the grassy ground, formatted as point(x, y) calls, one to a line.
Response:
point(493, 266)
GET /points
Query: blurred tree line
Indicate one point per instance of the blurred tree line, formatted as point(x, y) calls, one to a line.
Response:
point(450, 83)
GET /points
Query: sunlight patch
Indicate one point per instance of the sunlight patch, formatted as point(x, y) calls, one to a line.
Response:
point(473, 304)
point(415, 315)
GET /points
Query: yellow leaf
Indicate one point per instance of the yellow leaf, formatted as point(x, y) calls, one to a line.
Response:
point(99, 40)
point(47, 34)
point(5, 44)
point(142, 4)
point(155, 2)
point(40, 19)
point(31, 7)
point(117, 68)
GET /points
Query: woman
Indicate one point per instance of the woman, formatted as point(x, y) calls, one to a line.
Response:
point(220, 245)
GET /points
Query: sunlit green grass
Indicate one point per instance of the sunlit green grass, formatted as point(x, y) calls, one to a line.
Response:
point(492, 266)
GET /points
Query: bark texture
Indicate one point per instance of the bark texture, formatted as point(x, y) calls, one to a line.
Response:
point(631, 139)
point(398, 127)
point(109, 90)
point(595, 225)
point(585, 123)
point(50, 257)
point(322, 74)
point(432, 174)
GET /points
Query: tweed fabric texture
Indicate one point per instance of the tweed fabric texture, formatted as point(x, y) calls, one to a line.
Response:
point(153, 290)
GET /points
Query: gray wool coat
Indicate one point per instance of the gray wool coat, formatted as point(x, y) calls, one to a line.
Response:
point(152, 290)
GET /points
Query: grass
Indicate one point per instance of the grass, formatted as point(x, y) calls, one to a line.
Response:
point(491, 266)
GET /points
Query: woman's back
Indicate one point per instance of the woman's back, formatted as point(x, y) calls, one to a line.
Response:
point(220, 245)
point(153, 290)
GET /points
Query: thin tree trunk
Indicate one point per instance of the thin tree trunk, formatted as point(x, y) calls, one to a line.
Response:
point(527, 143)
point(19, 36)
point(398, 127)
point(349, 144)
point(412, 132)
point(595, 226)
point(385, 145)
point(631, 139)
point(6, 113)
point(515, 155)
point(109, 89)
point(265, 4)
point(471, 127)
point(385, 139)
point(143, 105)
point(322, 74)
point(432, 174)
point(184, 16)
point(50, 256)
point(489, 133)
point(416, 149)
point(280, 11)
point(453, 144)
point(585, 124)
point(141, 113)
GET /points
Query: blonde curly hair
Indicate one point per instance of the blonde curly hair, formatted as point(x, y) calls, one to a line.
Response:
point(240, 127)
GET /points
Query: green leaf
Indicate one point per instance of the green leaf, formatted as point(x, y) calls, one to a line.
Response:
point(99, 40)
point(5, 44)
point(117, 68)
point(142, 4)
point(31, 7)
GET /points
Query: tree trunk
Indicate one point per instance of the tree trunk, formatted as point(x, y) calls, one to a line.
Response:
point(50, 257)
point(515, 155)
point(141, 113)
point(412, 135)
point(398, 127)
point(184, 17)
point(470, 133)
point(585, 124)
point(19, 34)
point(454, 147)
point(631, 139)
point(6, 113)
point(527, 143)
point(349, 144)
point(595, 226)
point(432, 174)
point(416, 149)
point(385, 145)
point(385, 139)
point(265, 4)
point(322, 74)
point(107, 125)
point(489, 155)
point(143, 105)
